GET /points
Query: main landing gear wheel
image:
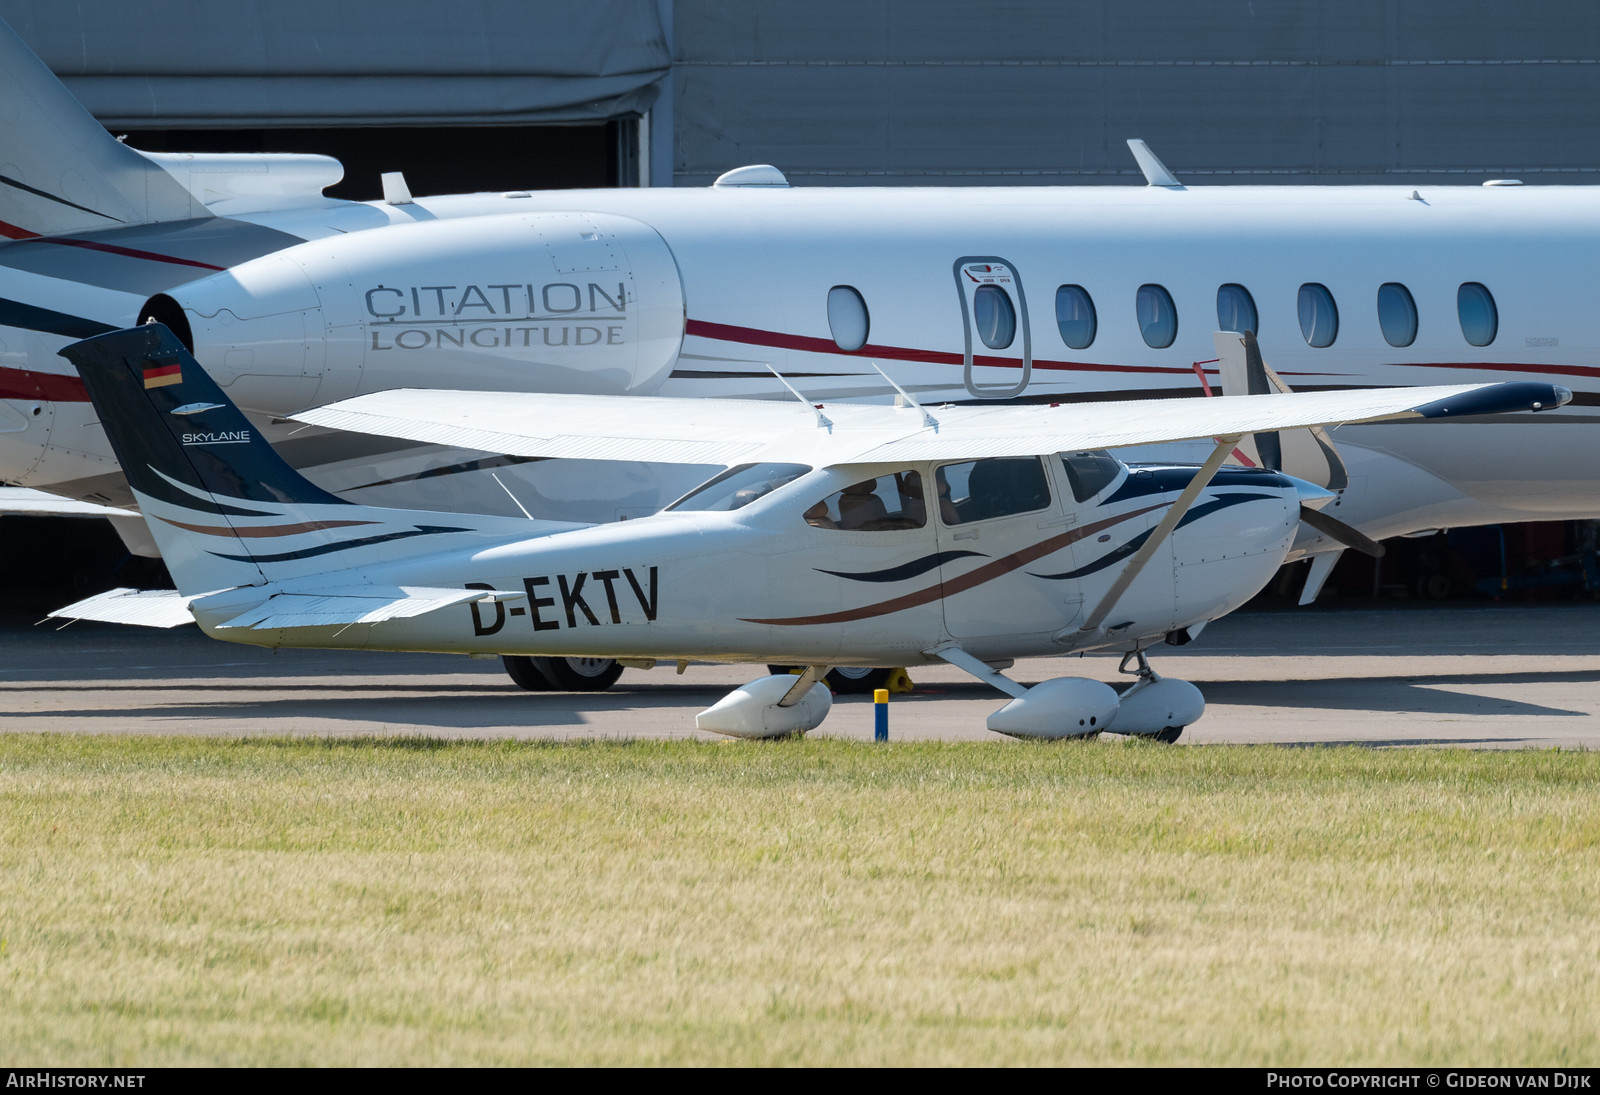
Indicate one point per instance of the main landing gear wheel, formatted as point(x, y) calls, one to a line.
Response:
point(847, 680)
point(523, 673)
point(579, 674)
point(1168, 735)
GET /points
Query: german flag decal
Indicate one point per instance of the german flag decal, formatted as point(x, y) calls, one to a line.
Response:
point(159, 376)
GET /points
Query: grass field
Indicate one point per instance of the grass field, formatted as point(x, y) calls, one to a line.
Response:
point(181, 901)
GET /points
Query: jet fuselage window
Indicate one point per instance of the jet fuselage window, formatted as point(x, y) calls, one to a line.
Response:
point(1319, 316)
point(994, 316)
point(1397, 314)
point(1236, 309)
point(884, 504)
point(738, 487)
point(980, 490)
point(848, 318)
point(1089, 473)
point(1158, 316)
point(1075, 316)
point(1480, 319)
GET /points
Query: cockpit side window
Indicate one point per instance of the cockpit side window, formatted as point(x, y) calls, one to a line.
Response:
point(885, 504)
point(980, 490)
point(1089, 473)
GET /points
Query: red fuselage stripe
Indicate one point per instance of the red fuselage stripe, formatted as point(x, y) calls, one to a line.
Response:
point(50, 387)
point(755, 336)
point(129, 252)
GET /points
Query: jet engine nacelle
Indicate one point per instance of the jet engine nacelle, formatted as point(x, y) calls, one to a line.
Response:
point(556, 302)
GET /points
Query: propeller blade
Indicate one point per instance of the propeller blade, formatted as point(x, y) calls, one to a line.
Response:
point(1336, 529)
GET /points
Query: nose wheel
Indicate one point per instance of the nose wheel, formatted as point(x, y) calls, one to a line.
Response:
point(1154, 707)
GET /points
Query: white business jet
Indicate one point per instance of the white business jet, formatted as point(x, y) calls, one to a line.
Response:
point(840, 534)
point(1043, 294)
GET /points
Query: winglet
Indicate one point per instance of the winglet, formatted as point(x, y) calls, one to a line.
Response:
point(1155, 172)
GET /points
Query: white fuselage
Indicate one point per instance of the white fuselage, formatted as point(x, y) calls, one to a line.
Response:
point(698, 292)
point(761, 584)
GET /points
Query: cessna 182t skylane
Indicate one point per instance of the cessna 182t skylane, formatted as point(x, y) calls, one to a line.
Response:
point(840, 535)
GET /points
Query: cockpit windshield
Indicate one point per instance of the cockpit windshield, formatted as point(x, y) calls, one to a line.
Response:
point(738, 487)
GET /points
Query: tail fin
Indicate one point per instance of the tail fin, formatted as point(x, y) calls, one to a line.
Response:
point(223, 506)
point(60, 171)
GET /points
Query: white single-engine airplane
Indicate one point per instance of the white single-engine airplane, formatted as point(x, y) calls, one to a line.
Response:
point(841, 534)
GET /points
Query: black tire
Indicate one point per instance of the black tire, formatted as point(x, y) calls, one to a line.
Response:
point(579, 674)
point(850, 680)
point(1167, 735)
point(523, 673)
point(846, 680)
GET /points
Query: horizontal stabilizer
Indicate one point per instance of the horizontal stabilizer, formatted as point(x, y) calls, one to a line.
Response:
point(145, 607)
point(357, 605)
point(27, 502)
point(730, 431)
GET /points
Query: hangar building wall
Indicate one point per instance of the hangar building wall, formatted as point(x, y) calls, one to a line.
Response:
point(951, 92)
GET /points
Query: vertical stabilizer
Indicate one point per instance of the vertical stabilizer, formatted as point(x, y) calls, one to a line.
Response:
point(60, 171)
point(224, 508)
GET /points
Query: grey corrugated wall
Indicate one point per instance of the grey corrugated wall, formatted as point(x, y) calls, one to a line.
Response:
point(980, 91)
point(263, 63)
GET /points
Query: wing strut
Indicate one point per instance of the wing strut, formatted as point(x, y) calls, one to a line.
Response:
point(1159, 534)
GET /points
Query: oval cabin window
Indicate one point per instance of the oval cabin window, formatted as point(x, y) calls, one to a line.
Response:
point(994, 316)
point(1397, 314)
point(1319, 316)
point(847, 318)
point(1236, 309)
point(1158, 316)
point(1480, 320)
point(1075, 316)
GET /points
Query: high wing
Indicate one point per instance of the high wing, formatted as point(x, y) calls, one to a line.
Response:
point(727, 431)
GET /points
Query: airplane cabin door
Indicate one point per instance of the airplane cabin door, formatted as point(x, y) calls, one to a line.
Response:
point(994, 320)
point(1006, 553)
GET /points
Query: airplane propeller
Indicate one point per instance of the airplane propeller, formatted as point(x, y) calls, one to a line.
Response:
point(1335, 529)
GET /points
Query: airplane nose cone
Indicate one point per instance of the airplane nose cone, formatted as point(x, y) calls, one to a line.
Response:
point(1309, 494)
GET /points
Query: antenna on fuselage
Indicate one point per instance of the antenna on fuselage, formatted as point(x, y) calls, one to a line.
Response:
point(927, 419)
point(1156, 173)
point(816, 408)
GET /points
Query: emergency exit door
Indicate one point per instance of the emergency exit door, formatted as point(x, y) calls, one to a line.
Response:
point(994, 319)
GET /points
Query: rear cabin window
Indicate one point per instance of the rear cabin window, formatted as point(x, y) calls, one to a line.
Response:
point(1236, 309)
point(1089, 473)
point(1480, 320)
point(1158, 316)
point(884, 504)
point(980, 490)
point(848, 320)
point(1075, 317)
point(1397, 314)
point(1319, 316)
